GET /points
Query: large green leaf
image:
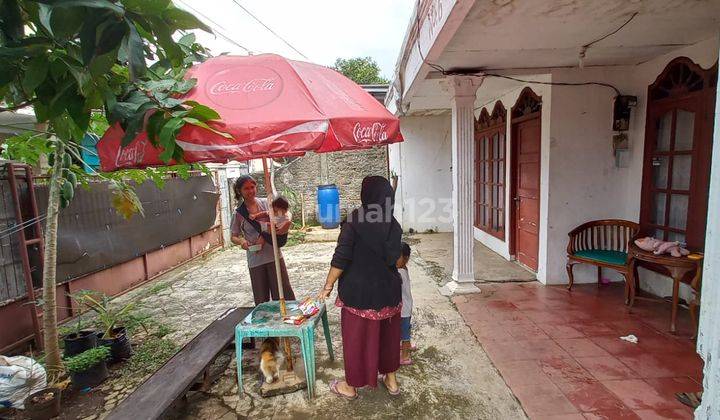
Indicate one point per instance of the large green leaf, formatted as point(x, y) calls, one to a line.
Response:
point(88, 35)
point(45, 13)
point(202, 112)
point(66, 22)
point(102, 64)
point(111, 37)
point(35, 72)
point(181, 20)
point(148, 7)
point(164, 37)
point(134, 48)
point(11, 18)
point(95, 4)
point(167, 138)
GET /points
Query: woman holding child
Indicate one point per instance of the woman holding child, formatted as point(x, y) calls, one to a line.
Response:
point(369, 291)
point(247, 231)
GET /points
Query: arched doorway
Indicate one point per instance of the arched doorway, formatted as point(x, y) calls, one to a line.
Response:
point(678, 146)
point(525, 178)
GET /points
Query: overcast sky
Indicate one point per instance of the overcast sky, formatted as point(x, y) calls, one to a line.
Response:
point(322, 30)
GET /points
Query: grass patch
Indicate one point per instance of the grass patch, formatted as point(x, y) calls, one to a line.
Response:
point(158, 287)
point(295, 237)
point(149, 356)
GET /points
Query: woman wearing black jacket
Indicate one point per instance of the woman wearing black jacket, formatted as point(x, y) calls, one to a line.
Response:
point(369, 291)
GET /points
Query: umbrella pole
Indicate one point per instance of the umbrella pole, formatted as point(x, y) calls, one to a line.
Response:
point(276, 252)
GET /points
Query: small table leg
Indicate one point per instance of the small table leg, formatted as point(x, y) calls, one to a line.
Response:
point(326, 332)
point(675, 301)
point(238, 358)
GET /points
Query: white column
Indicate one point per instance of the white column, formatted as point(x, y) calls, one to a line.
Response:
point(463, 89)
point(709, 332)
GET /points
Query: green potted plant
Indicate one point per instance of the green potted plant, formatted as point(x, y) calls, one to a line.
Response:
point(113, 334)
point(89, 368)
point(43, 404)
point(78, 338)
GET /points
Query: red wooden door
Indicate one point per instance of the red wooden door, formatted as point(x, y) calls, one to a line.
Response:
point(527, 191)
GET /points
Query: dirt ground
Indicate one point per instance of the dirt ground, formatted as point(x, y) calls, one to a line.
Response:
point(452, 376)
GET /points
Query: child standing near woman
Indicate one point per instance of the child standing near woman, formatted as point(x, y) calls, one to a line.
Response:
point(407, 305)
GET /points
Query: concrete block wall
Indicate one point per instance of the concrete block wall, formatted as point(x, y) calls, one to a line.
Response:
point(344, 169)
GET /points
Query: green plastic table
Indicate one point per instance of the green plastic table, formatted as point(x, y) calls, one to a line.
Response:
point(265, 321)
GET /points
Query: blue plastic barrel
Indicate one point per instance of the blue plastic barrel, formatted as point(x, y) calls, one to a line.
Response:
point(328, 199)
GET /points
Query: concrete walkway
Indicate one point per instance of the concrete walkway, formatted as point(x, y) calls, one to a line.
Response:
point(437, 249)
point(452, 376)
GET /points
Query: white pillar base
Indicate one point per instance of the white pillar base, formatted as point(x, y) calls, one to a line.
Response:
point(455, 288)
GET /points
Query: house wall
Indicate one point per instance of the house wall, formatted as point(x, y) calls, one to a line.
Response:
point(423, 165)
point(581, 179)
point(585, 181)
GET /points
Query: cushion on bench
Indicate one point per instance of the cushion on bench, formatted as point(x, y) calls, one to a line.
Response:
point(602, 255)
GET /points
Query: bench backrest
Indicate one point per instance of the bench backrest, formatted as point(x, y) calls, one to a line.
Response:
point(610, 234)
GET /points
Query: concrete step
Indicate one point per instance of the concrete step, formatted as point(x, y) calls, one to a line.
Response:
point(318, 234)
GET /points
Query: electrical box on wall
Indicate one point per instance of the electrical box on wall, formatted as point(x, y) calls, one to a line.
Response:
point(621, 146)
point(621, 112)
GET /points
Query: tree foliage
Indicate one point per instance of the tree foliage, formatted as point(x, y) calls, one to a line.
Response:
point(83, 65)
point(361, 70)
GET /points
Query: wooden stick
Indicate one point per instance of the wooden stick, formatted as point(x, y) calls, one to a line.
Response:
point(276, 251)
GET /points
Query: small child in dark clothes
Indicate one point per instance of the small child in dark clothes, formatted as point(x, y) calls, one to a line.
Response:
point(283, 218)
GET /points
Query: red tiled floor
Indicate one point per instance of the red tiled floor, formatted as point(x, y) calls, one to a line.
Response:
point(639, 395)
point(606, 367)
point(613, 345)
point(564, 370)
point(663, 365)
point(591, 396)
point(539, 400)
point(612, 415)
point(556, 331)
point(575, 416)
point(663, 414)
point(581, 347)
point(560, 352)
point(523, 372)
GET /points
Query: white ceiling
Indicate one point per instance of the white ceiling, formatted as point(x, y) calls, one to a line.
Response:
point(500, 34)
point(533, 34)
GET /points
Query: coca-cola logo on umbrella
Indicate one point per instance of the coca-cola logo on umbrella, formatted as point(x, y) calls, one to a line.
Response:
point(370, 132)
point(132, 154)
point(244, 87)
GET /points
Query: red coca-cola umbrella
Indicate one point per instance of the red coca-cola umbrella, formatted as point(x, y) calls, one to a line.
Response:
point(271, 106)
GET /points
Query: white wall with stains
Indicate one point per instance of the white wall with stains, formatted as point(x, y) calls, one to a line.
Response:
point(423, 200)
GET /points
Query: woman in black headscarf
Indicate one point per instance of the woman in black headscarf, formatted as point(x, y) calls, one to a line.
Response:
point(369, 291)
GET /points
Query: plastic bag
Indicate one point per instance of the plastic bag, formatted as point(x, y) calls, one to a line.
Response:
point(20, 376)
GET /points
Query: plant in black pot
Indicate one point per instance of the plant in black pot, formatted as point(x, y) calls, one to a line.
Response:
point(43, 404)
point(78, 338)
point(113, 335)
point(89, 368)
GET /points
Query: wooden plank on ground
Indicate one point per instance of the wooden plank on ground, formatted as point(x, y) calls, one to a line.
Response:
point(157, 394)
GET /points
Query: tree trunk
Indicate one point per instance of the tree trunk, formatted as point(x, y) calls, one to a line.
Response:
point(53, 362)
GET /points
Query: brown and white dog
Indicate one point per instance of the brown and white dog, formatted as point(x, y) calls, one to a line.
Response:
point(270, 360)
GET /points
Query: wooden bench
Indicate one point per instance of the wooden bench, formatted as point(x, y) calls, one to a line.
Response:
point(603, 243)
point(158, 394)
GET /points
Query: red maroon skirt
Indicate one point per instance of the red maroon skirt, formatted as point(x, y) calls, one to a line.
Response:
point(369, 347)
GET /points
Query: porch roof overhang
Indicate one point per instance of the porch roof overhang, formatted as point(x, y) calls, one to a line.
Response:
point(531, 37)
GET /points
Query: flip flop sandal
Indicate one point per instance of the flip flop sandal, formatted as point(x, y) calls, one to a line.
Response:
point(333, 388)
point(691, 399)
point(406, 362)
point(391, 392)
